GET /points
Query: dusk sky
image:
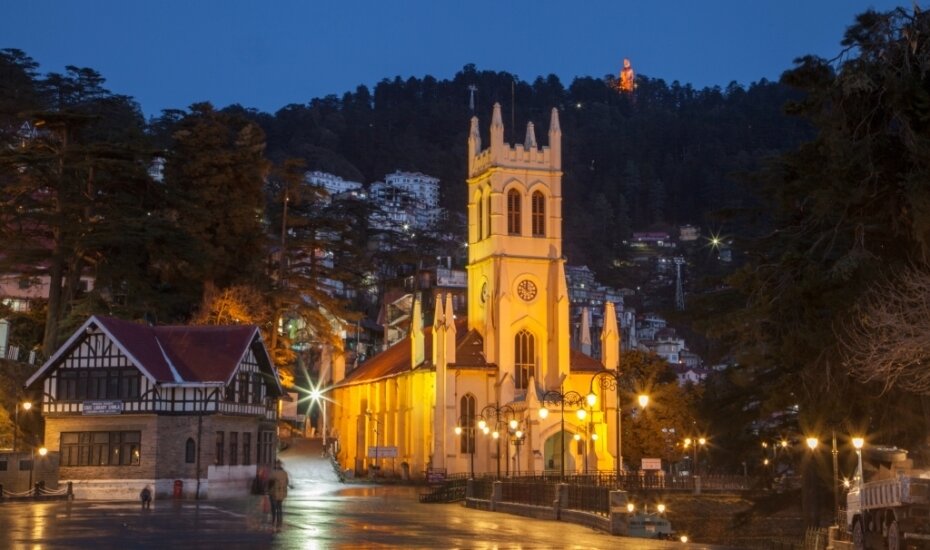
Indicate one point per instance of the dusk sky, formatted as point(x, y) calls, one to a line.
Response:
point(170, 53)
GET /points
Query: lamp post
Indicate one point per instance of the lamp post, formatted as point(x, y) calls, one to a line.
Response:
point(518, 438)
point(554, 397)
point(499, 415)
point(858, 443)
point(32, 467)
point(26, 406)
point(809, 499)
point(607, 380)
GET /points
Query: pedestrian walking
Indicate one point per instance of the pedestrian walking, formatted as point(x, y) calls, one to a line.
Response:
point(277, 491)
point(146, 496)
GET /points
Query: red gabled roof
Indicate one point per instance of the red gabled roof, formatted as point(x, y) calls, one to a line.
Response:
point(581, 362)
point(178, 354)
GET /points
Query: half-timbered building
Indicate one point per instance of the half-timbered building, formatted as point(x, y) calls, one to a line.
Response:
point(181, 408)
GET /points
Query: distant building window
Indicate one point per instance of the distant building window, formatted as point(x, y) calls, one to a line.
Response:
point(2, 465)
point(243, 383)
point(190, 451)
point(256, 388)
point(25, 465)
point(467, 442)
point(539, 214)
point(513, 212)
point(524, 358)
point(220, 448)
point(100, 448)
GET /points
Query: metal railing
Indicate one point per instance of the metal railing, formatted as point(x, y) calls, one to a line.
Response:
point(589, 498)
point(528, 492)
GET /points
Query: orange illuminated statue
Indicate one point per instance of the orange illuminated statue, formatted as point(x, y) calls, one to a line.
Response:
point(626, 82)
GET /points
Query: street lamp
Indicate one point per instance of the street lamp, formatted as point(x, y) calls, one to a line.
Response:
point(518, 437)
point(554, 397)
point(609, 380)
point(32, 467)
point(858, 443)
point(499, 415)
point(26, 406)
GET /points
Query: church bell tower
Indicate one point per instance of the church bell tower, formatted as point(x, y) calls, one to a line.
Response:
point(517, 296)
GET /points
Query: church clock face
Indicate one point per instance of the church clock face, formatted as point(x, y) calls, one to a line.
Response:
point(484, 292)
point(526, 290)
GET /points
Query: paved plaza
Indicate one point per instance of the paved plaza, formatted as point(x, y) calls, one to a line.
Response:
point(320, 513)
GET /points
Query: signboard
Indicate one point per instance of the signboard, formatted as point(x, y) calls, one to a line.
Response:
point(451, 278)
point(652, 464)
point(382, 452)
point(102, 407)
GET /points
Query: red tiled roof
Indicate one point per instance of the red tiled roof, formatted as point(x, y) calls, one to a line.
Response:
point(580, 362)
point(178, 354)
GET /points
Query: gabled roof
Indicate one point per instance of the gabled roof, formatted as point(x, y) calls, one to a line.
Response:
point(174, 354)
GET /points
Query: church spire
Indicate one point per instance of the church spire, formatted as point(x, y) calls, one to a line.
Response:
point(555, 140)
point(530, 142)
point(497, 131)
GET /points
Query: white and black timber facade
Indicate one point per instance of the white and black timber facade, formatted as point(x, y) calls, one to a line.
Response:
point(128, 405)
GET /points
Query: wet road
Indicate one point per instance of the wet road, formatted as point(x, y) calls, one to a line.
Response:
point(320, 513)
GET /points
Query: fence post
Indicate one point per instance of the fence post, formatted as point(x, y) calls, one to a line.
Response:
point(70, 491)
point(697, 485)
point(561, 499)
point(497, 492)
point(619, 517)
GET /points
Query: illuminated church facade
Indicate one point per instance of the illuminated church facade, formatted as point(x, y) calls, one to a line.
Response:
point(465, 395)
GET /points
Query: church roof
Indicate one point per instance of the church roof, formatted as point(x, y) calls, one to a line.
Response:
point(469, 353)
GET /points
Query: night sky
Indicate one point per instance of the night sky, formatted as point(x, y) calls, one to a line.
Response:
point(171, 53)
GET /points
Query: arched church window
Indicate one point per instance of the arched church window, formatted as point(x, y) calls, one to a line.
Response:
point(488, 232)
point(467, 441)
point(513, 212)
point(524, 358)
point(480, 224)
point(539, 214)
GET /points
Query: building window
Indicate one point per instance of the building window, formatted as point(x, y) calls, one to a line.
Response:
point(513, 212)
point(100, 448)
point(231, 390)
point(488, 232)
point(25, 465)
point(85, 384)
point(233, 448)
point(539, 214)
point(256, 388)
point(220, 448)
point(190, 451)
point(243, 383)
point(480, 224)
point(524, 358)
point(246, 448)
point(2, 465)
point(467, 443)
point(265, 447)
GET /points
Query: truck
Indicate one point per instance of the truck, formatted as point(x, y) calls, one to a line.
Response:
point(891, 509)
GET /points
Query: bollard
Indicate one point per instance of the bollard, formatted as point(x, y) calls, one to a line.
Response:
point(35, 489)
point(70, 491)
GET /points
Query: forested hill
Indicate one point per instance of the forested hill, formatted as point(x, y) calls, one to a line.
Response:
point(665, 155)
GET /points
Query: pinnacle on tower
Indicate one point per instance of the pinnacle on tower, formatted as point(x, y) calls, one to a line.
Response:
point(555, 140)
point(497, 129)
point(530, 142)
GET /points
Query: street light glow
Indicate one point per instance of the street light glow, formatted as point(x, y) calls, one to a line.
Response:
point(592, 399)
point(581, 414)
point(43, 451)
point(643, 400)
point(661, 508)
point(812, 443)
point(514, 424)
point(458, 430)
point(577, 437)
point(630, 507)
point(858, 442)
point(543, 412)
point(27, 405)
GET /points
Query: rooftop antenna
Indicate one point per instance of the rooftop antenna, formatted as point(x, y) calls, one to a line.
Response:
point(471, 96)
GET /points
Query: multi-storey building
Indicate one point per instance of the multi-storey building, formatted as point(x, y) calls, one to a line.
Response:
point(191, 409)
